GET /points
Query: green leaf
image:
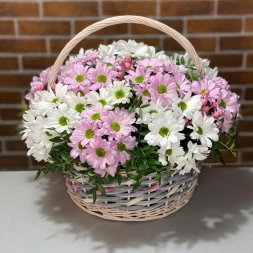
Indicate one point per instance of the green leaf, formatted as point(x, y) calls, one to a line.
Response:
point(136, 186)
point(56, 139)
point(119, 179)
point(140, 113)
point(157, 177)
point(102, 190)
point(169, 174)
point(94, 196)
point(131, 176)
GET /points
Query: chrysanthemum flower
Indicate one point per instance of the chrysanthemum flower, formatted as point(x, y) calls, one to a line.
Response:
point(170, 155)
point(153, 65)
point(140, 76)
point(94, 114)
point(228, 102)
point(118, 123)
point(60, 118)
point(165, 130)
point(78, 150)
point(109, 50)
point(76, 102)
point(170, 67)
point(84, 132)
point(100, 154)
point(183, 84)
point(123, 143)
point(204, 129)
point(162, 87)
point(187, 105)
point(119, 92)
point(77, 77)
point(142, 92)
point(101, 76)
point(102, 96)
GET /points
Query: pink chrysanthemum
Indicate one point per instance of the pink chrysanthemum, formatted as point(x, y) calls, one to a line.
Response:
point(221, 83)
point(207, 88)
point(182, 83)
point(225, 121)
point(162, 87)
point(123, 143)
point(77, 77)
point(117, 123)
point(171, 67)
point(38, 83)
point(102, 76)
point(94, 114)
point(100, 154)
point(78, 150)
point(142, 92)
point(111, 61)
point(228, 101)
point(84, 132)
point(140, 76)
point(153, 65)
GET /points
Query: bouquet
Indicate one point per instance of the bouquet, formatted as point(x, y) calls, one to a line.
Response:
point(127, 109)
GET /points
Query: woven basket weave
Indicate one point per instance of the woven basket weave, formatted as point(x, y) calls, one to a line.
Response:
point(151, 201)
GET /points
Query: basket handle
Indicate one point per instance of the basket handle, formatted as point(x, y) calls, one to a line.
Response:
point(118, 20)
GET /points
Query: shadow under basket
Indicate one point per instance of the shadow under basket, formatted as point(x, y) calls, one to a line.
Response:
point(151, 201)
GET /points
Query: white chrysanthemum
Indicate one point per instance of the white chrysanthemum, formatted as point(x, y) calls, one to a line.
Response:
point(44, 100)
point(151, 112)
point(159, 55)
point(132, 48)
point(188, 162)
point(165, 130)
point(187, 105)
point(61, 118)
point(39, 152)
point(170, 155)
point(204, 129)
point(29, 119)
point(109, 50)
point(76, 102)
point(119, 92)
point(102, 96)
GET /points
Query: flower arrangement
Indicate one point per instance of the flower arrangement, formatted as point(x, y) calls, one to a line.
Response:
point(127, 108)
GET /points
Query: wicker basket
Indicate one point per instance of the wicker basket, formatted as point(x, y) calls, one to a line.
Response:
point(151, 201)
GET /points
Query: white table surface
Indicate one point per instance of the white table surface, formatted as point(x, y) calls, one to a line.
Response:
point(39, 217)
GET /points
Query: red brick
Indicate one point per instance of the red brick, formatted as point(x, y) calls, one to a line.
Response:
point(8, 63)
point(70, 9)
point(236, 77)
point(44, 27)
point(201, 44)
point(249, 93)
point(6, 27)
point(221, 60)
point(250, 60)
point(12, 80)
point(249, 25)
point(245, 141)
point(143, 8)
point(178, 8)
point(143, 29)
point(22, 45)
point(13, 160)
point(247, 156)
point(10, 114)
point(10, 97)
point(214, 25)
point(236, 43)
point(246, 110)
point(15, 145)
point(57, 45)
point(114, 29)
point(31, 62)
point(15, 9)
point(245, 125)
point(235, 7)
point(9, 130)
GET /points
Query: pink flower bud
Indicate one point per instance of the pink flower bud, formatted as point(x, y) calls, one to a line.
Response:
point(121, 63)
point(207, 92)
point(39, 87)
point(53, 86)
point(120, 75)
point(217, 114)
point(205, 108)
point(204, 101)
point(127, 65)
point(128, 59)
point(214, 104)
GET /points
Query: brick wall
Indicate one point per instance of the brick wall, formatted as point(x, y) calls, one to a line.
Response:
point(32, 33)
